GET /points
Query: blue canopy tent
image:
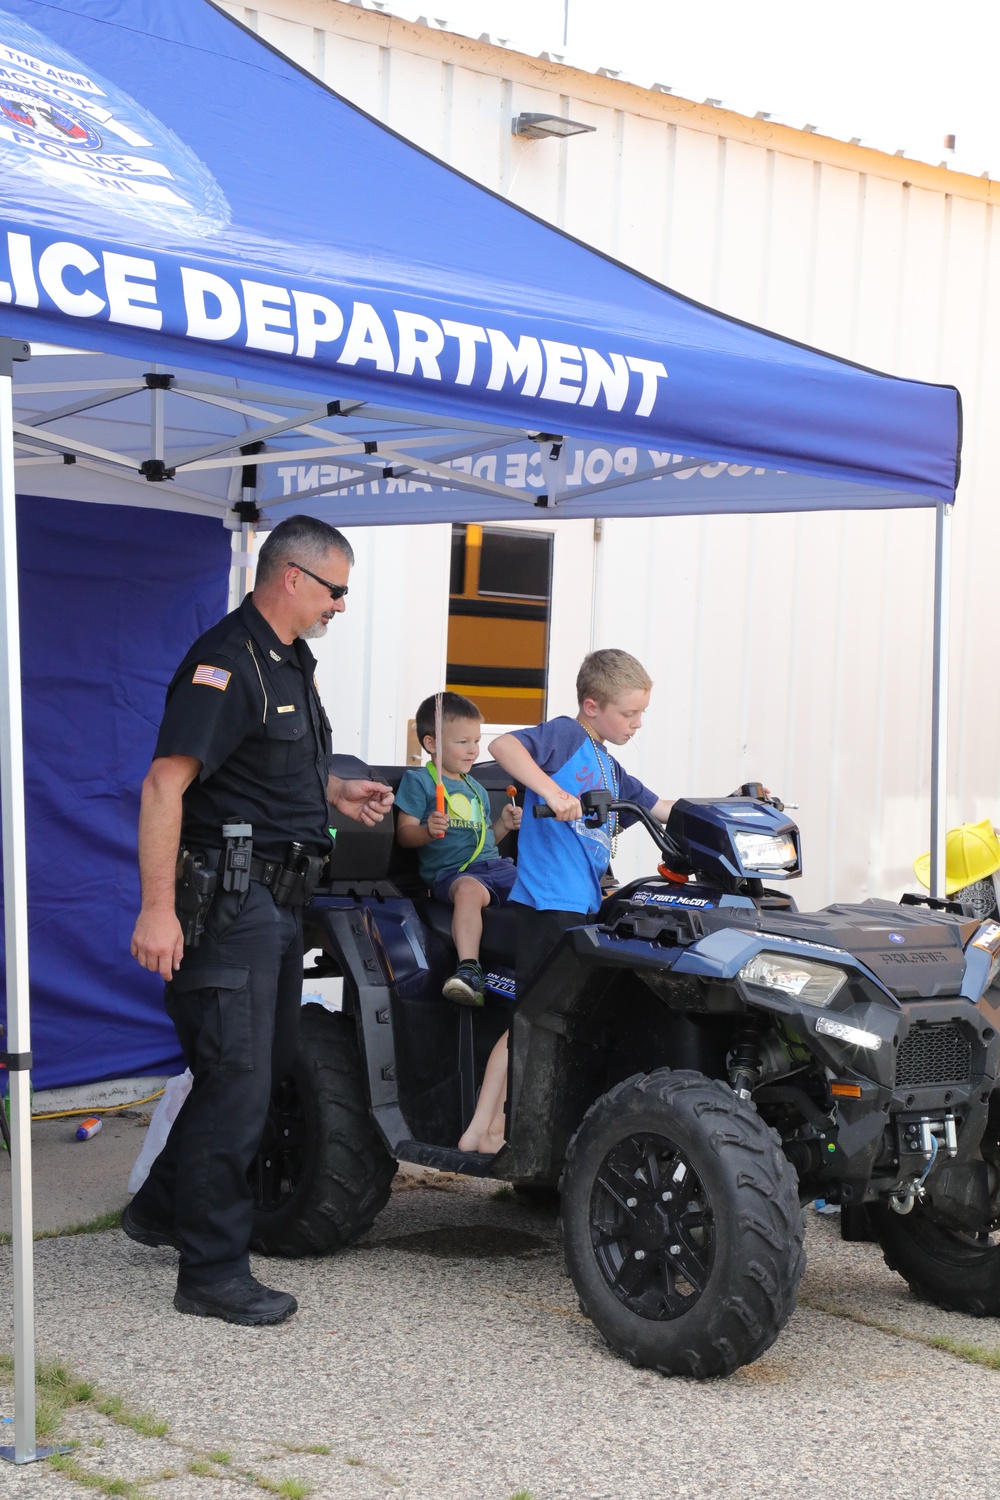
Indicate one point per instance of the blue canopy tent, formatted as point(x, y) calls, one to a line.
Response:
point(258, 300)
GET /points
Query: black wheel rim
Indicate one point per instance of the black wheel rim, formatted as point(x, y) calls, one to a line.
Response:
point(278, 1166)
point(651, 1227)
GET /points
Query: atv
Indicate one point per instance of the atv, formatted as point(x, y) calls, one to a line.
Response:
point(685, 1071)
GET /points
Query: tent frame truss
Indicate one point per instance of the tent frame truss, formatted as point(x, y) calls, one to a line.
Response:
point(395, 433)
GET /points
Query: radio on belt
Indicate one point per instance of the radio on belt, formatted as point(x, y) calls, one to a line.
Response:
point(238, 842)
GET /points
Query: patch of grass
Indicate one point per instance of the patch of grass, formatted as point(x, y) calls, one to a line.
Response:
point(292, 1489)
point(73, 1469)
point(57, 1389)
point(973, 1354)
point(221, 1456)
point(202, 1467)
point(145, 1423)
point(504, 1194)
point(360, 1463)
point(52, 1380)
point(109, 1220)
point(989, 1358)
point(48, 1415)
point(522, 1495)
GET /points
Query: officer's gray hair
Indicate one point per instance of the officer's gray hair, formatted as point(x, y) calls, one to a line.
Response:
point(299, 539)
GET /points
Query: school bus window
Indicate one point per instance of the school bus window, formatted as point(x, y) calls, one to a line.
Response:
point(515, 564)
point(498, 620)
point(457, 560)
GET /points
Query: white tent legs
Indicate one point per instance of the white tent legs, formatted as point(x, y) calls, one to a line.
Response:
point(16, 930)
point(939, 702)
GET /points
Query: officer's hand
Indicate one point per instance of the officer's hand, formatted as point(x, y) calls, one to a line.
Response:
point(510, 817)
point(366, 801)
point(158, 942)
point(565, 807)
point(437, 824)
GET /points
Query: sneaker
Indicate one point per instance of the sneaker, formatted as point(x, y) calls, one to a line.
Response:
point(466, 985)
point(145, 1232)
point(241, 1299)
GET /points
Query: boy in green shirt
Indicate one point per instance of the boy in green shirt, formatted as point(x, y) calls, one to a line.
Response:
point(457, 848)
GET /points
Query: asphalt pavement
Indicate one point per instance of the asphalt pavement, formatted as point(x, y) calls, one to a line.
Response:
point(444, 1358)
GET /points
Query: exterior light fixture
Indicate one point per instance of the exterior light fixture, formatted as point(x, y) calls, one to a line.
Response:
point(535, 127)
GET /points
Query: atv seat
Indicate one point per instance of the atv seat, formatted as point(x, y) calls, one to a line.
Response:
point(362, 853)
point(498, 930)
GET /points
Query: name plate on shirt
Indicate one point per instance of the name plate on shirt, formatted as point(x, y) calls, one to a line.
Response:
point(286, 708)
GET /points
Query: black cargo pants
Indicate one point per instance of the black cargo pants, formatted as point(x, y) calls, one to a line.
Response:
point(235, 1002)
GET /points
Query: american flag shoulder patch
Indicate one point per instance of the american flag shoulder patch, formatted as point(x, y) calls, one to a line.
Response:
point(212, 677)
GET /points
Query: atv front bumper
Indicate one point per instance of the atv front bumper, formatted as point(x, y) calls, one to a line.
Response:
point(923, 1098)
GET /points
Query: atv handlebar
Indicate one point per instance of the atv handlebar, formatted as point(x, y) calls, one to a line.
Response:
point(757, 792)
point(599, 804)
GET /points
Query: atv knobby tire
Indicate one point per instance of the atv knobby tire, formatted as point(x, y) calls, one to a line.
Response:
point(955, 1270)
point(322, 1173)
point(681, 1225)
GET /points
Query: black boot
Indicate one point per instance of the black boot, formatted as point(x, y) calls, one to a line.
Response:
point(241, 1299)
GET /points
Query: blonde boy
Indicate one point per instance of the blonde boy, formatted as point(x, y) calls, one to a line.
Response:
point(560, 863)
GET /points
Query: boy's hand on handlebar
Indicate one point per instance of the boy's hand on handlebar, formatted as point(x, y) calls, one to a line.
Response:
point(759, 793)
point(564, 806)
point(437, 824)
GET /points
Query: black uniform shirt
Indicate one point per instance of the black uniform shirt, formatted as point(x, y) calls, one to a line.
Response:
point(246, 706)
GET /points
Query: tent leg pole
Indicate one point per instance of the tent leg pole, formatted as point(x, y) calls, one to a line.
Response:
point(247, 538)
point(939, 703)
point(16, 930)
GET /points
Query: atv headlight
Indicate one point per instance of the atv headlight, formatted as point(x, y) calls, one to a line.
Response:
point(766, 851)
point(853, 1035)
point(801, 977)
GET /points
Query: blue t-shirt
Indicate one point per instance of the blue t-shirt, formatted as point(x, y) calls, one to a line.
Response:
point(559, 865)
point(467, 806)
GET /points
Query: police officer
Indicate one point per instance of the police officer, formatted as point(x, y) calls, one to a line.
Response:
point(239, 774)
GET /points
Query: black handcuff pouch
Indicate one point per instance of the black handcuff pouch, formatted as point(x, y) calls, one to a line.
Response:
point(298, 877)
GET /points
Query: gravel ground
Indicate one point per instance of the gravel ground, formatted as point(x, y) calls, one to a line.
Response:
point(444, 1358)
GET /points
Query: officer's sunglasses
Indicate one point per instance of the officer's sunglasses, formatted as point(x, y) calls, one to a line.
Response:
point(337, 590)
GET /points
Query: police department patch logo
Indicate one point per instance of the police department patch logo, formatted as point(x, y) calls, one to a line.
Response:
point(31, 111)
point(75, 144)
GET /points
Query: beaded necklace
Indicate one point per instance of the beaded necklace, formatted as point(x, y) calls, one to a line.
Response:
point(610, 785)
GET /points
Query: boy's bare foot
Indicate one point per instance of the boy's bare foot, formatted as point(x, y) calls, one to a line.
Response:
point(484, 1141)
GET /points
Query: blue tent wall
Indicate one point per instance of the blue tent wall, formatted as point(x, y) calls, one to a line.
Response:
point(111, 596)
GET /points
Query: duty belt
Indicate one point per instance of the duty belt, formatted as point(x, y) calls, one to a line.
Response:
point(290, 887)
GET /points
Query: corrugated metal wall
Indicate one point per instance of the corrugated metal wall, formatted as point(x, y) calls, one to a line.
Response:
point(795, 649)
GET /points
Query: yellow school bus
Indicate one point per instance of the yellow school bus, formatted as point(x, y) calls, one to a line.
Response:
point(498, 620)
